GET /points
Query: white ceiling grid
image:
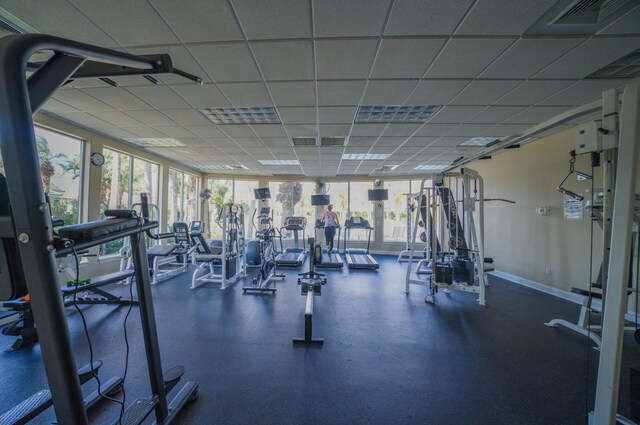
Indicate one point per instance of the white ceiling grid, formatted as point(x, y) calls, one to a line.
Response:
point(315, 61)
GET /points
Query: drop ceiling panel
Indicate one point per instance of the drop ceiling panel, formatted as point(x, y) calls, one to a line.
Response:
point(205, 131)
point(383, 149)
point(467, 57)
point(125, 27)
point(190, 142)
point(338, 18)
point(405, 57)
point(504, 130)
point(336, 114)
point(334, 130)
point(269, 130)
point(276, 141)
point(484, 92)
point(388, 92)
point(237, 130)
point(202, 20)
point(151, 118)
point(247, 94)
point(302, 130)
point(628, 24)
point(186, 116)
point(227, 61)
point(390, 141)
point(81, 100)
point(503, 17)
point(340, 92)
point(61, 19)
point(304, 115)
point(533, 91)
point(496, 114)
point(344, 59)
point(271, 20)
point(160, 97)
point(284, 60)
point(528, 56)
point(117, 98)
point(118, 119)
point(53, 105)
point(403, 130)
point(455, 114)
point(219, 142)
point(435, 129)
point(581, 92)
point(204, 96)
point(117, 133)
point(295, 93)
point(420, 141)
point(419, 17)
point(449, 141)
point(361, 141)
point(536, 114)
point(469, 130)
point(145, 131)
point(84, 119)
point(590, 56)
point(436, 92)
point(433, 150)
point(367, 130)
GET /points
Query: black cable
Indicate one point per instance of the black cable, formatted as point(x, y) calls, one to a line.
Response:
point(86, 329)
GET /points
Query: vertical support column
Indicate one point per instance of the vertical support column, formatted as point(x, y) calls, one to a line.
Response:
point(480, 240)
point(148, 322)
point(618, 271)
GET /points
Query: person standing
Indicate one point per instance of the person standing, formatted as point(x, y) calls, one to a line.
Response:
point(330, 220)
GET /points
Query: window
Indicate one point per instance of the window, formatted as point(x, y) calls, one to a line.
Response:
point(124, 177)
point(61, 171)
point(236, 191)
point(291, 198)
point(395, 211)
point(183, 198)
point(359, 205)
point(339, 196)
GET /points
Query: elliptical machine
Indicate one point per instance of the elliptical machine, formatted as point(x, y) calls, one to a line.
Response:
point(262, 251)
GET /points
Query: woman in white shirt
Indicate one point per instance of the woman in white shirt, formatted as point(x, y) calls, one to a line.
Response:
point(330, 220)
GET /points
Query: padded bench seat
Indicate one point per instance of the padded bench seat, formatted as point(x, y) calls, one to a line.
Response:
point(98, 281)
point(161, 250)
point(87, 232)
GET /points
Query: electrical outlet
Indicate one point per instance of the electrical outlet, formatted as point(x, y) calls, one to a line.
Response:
point(543, 210)
point(547, 271)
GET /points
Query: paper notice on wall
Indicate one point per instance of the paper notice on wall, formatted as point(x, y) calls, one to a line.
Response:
point(573, 209)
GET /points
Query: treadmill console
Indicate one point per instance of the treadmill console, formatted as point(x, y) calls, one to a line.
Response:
point(295, 223)
point(265, 211)
point(196, 227)
point(357, 223)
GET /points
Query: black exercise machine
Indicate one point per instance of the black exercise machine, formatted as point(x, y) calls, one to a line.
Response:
point(333, 261)
point(311, 285)
point(28, 243)
point(293, 257)
point(359, 258)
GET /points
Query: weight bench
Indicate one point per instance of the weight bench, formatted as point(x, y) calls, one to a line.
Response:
point(88, 294)
point(207, 255)
point(166, 261)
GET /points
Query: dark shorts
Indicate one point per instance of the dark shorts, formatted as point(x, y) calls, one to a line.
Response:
point(329, 234)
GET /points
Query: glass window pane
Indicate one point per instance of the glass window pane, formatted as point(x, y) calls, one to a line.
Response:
point(145, 180)
point(291, 198)
point(395, 211)
point(243, 195)
point(339, 197)
point(174, 205)
point(190, 198)
point(359, 205)
point(221, 193)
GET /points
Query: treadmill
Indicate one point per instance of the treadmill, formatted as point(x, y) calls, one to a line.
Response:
point(293, 257)
point(359, 258)
point(333, 261)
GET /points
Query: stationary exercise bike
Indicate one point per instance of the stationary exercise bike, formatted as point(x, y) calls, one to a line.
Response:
point(268, 267)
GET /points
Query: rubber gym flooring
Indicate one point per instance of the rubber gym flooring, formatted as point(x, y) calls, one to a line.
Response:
point(388, 358)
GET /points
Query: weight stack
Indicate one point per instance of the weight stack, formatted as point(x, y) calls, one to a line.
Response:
point(444, 274)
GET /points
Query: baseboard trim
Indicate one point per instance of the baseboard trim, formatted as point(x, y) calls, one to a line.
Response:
point(556, 292)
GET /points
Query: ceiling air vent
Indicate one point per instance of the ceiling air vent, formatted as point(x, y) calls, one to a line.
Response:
point(156, 142)
point(303, 141)
point(9, 24)
point(332, 141)
point(217, 167)
point(626, 67)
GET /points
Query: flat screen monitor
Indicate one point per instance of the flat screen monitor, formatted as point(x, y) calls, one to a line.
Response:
point(262, 193)
point(378, 194)
point(320, 199)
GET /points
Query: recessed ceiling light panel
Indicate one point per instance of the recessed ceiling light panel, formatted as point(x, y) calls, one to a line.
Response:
point(217, 167)
point(479, 141)
point(332, 141)
point(430, 167)
point(395, 114)
point(255, 115)
point(365, 156)
point(279, 162)
point(626, 67)
point(154, 142)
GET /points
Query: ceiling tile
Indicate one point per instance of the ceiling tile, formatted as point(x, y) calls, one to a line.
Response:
point(449, 141)
point(340, 92)
point(118, 119)
point(336, 114)
point(269, 130)
point(528, 56)
point(284, 60)
point(334, 130)
point(533, 91)
point(467, 57)
point(405, 57)
point(581, 92)
point(145, 131)
point(401, 130)
point(276, 141)
point(590, 56)
point(388, 92)
point(61, 19)
point(81, 101)
point(186, 116)
point(302, 130)
point(53, 105)
point(367, 129)
point(420, 17)
point(420, 141)
point(117, 98)
point(361, 141)
point(436, 92)
point(189, 141)
point(202, 96)
point(503, 17)
point(159, 96)
point(181, 58)
point(295, 93)
point(203, 20)
point(227, 61)
point(484, 92)
point(496, 114)
point(470, 130)
point(455, 114)
point(125, 27)
point(435, 129)
point(344, 59)
point(247, 94)
point(536, 114)
point(338, 18)
point(151, 118)
point(177, 132)
point(83, 119)
point(390, 141)
point(303, 115)
point(504, 130)
point(206, 131)
point(116, 133)
point(628, 24)
point(271, 20)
